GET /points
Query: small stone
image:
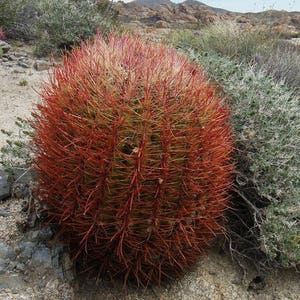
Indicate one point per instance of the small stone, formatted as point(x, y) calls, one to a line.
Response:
point(3, 286)
point(26, 249)
point(42, 65)
point(11, 57)
point(7, 252)
point(161, 24)
point(22, 58)
point(257, 283)
point(21, 54)
point(5, 46)
point(4, 186)
point(15, 283)
point(41, 257)
point(3, 265)
point(3, 213)
point(67, 267)
point(23, 64)
point(53, 285)
point(40, 235)
point(9, 65)
point(4, 59)
point(20, 267)
point(33, 235)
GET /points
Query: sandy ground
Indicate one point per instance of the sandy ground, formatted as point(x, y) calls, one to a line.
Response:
point(16, 99)
point(214, 277)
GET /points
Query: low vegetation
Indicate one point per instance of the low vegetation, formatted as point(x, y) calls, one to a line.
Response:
point(17, 152)
point(261, 47)
point(56, 25)
point(63, 24)
point(266, 122)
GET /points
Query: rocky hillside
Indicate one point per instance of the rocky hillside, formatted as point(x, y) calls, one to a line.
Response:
point(151, 3)
point(194, 14)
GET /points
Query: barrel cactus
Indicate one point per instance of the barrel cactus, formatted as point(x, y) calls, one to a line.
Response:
point(133, 158)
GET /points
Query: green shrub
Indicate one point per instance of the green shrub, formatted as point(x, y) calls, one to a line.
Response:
point(267, 126)
point(62, 24)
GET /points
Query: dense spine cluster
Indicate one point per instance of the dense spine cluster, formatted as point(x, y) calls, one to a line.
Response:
point(133, 158)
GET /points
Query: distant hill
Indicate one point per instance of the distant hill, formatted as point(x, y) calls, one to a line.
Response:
point(198, 3)
point(153, 3)
point(194, 14)
point(193, 3)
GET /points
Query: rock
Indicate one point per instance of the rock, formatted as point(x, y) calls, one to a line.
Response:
point(26, 250)
point(4, 59)
point(12, 282)
point(11, 57)
point(3, 265)
point(5, 46)
point(257, 283)
point(8, 64)
point(21, 54)
point(42, 65)
point(4, 186)
point(41, 257)
point(23, 175)
point(23, 64)
point(20, 267)
point(40, 235)
point(3, 213)
point(3, 286)
point(56, 255)
point(20, 190)
point(19, 71)
point(67, 266)
point(7, 252)
point(161, 24)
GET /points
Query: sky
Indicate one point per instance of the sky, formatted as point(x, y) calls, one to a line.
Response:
point(251, 5)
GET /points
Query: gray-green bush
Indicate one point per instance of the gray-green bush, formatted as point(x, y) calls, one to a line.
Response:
point(8, 12)
point(63, 23)
point(228, 39)
point(283, 63)
point(18, 18)
point(265, 116)
point(58, 24)
point(259, 46)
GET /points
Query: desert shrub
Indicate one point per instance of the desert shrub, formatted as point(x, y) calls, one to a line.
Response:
point(267, 126)
point(133, 158)
point(282, 62)
point(228, 39)
point(17, 17)
point(8, 12)
point(63, 23)
point(260, 47)
point(24, 27)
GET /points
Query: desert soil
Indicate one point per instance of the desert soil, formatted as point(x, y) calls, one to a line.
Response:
point(215, 276)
